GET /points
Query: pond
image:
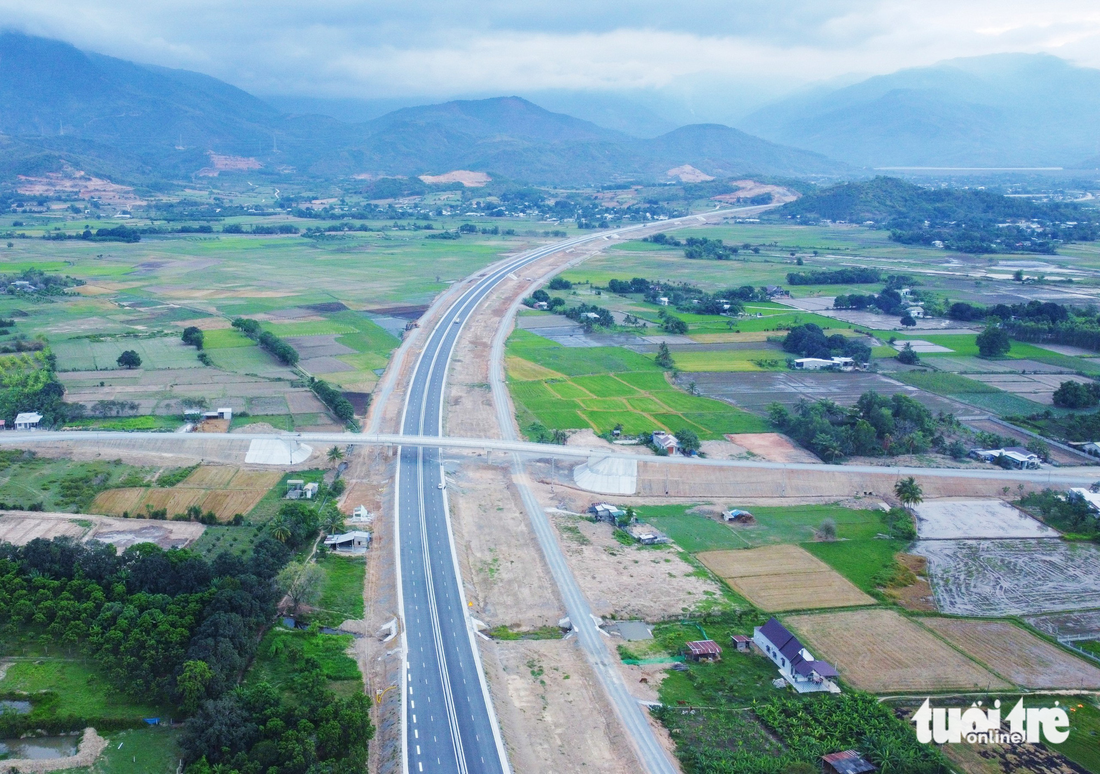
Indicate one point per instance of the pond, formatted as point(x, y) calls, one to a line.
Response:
point(17, 706)
point(39, 747)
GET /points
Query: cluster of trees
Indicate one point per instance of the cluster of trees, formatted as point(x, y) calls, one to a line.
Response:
point(809, 340)
point(1036, 321)
point(192, 336)
point(701, 248)
point(28, 382)
point(237, 228)
point(113, 234)
point(339, 405)
point(128, 359)
point(560, 283)
point(849, 276)
point(875, 426)
point(1077, 395)
point(623, 287)
point(48, 284)
point(260, 729)
point(993, 342)
point(1068, 512)
point(540, 296)
point(268, 340)
point(579, 313)
point(970, 221)
point(663, 239)
point(670, 323)
point(146, 616)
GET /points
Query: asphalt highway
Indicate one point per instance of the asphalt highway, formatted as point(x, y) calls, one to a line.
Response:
point(448, 723)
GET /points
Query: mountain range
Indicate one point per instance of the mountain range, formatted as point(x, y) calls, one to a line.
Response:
point(1005, 110)
point(151, 124)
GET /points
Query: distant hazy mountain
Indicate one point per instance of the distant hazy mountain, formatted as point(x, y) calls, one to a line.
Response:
point(59, 105)
point(1002, 110)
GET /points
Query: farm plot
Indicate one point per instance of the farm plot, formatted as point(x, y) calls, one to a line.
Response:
point(1012, 577)
point(961, 519)
point(755, 391)
point(156, 353)
point(880, 650)
point(20, 529)
point(783, 577)
point(1016, 654)
point(224, 490)
point(599, 388)
point(1072, 626)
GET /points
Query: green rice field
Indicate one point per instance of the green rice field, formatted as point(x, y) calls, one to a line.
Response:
point(600, 387)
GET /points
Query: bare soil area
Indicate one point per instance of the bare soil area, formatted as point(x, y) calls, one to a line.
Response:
point(651, 583)
point(879, 650)
point(958, 518)
point(916, 596)
point(503, 569)
point(1016, 654)
point(774, 447)
point(553, 718)
point(21, 527)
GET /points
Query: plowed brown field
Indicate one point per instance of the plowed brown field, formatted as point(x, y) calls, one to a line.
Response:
point(783, 577)
point(224, 490)
point(880, 651)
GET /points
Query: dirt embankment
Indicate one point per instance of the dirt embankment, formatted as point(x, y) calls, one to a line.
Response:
point(554, 717)
point(91, 747)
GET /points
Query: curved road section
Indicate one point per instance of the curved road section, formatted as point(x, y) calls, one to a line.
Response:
point(448, 722)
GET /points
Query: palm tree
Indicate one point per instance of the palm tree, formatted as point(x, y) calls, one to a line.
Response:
point(335, 455)
point(332, 522)
point(909, 492)
point(280, 530)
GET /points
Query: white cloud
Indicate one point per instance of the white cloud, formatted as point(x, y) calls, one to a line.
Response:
point(377, 49)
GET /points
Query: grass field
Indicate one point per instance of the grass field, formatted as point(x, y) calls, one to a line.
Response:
point(151, 750)
point(600, 387)
point(281, 648)
point(342, 592)
point(59, 484)
point(864, 562)
point(1083, 745)
point(155, 353)
point(774, 524)
point(81, 690)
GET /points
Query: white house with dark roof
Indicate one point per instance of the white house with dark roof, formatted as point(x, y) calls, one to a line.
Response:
point(796, 664)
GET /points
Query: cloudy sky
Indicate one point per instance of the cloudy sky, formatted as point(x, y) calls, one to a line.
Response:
point(368, 49)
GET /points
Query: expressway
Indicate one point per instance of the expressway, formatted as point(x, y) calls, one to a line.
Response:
point(454, 728)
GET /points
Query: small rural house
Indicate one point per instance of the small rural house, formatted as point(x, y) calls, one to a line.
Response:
point(915, 312)
point(1092, 448)
point(775, 291)
point(28, 420)
point(741, 642)
point(1015, 457)
point(297, 489)
point(796, 664)
point(606, 512)
point(541, 305)
point(738, 516)
point(821, 364)
point(666, 441)
point(662, 301)
point(647, 535)
point(847, 762)
point(704, 650)
point(1091, 498)
point(354, 542)
point(222, 413)
point(361, 515)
